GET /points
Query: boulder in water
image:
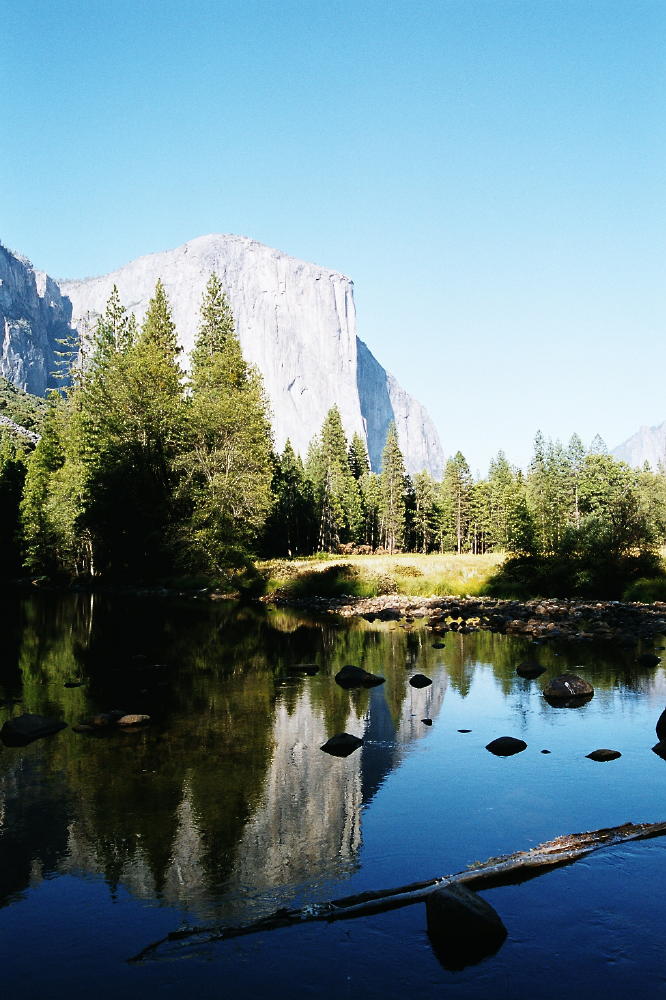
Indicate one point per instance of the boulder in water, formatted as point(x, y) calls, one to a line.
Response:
point(604, 754)
point(568, 691)
point(530, 669)
point(351, 677)
point(463, 928)
point(506, 746)
point(420, 681)
point(23, 729)
point(341, 745)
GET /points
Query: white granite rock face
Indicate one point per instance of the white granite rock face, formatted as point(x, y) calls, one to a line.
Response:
point(33, 317)
point(648, 444)
point(296, 322)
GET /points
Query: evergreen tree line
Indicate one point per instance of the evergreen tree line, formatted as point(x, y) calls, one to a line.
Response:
point(570, 497)
point(144, 472)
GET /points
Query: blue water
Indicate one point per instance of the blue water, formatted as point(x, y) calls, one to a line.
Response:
point(225, 808)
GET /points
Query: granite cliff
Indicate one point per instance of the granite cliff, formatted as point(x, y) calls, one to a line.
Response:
point(296, 322)
point(648, 444)
point(34, 316)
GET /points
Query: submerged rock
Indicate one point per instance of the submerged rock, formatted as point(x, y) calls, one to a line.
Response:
point(341, 745)
point(506, 746)
point(351, 677)
point(604, 755)
point(568, 691)
point(530, 669)
point(427, 722)
point(648, 659)
point(463, 928)
point(420, 681)
point(23, 729)
point(438, 645)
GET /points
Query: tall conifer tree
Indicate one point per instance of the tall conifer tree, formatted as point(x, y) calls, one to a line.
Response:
point(227, 462)
point(392, 481)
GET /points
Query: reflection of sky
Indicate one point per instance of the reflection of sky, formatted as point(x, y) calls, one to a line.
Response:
point(414, 802)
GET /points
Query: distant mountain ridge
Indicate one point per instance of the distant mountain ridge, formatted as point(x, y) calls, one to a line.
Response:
point(648, 444)
point(296, 322)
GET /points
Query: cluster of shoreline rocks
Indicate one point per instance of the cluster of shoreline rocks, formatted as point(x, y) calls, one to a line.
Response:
point(536, 619)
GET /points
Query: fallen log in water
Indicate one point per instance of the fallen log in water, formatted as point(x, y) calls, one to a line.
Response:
point(510, 869)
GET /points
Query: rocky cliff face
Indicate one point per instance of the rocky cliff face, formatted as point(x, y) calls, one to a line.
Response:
point(33, 317)
point(296, 322)
point(648, 444)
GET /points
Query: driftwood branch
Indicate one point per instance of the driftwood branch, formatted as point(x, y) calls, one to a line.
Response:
point(510, 869)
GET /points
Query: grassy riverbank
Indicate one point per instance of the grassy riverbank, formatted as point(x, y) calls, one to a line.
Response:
point(436, 575)
point(371, 575)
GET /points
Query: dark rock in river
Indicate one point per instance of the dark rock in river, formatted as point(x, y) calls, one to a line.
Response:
point(23, 729)
point(568, 691)
point(427, 722)
point(530, 669)
point(74, 684)
point(661, 726)
point(463, 928)
point(660, 749)
point(648, 660)
point(351, 677)
point(438, 645)
point(604, 754)
point(420, 681)
point(546, 751)
point(464, 730)
point(341, 745)
point(506, 746)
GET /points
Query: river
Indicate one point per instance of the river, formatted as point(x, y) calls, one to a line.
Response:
point(224, 808)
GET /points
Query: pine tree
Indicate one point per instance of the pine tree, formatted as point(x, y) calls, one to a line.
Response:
point(425, 511)
point(13, 457)
point(336, 491)
point(227, 460)
point(371, 496)
point(46, 538)
point(290, 526)
point(392, 491)
point(359, 462)
point(132, 412)
point(576, 459)
point(456, 493)
point(598, 446)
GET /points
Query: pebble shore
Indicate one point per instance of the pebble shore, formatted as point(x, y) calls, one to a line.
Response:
point(536, 619)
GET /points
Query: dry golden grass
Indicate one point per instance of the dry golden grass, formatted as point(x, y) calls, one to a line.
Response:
point(368, 575)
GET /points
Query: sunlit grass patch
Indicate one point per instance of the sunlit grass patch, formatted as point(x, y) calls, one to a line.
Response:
point(411, 574)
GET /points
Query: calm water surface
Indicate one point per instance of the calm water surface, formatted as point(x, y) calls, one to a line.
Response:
point(225, 808)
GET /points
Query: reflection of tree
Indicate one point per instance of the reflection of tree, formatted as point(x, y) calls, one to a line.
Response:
point(226, 790)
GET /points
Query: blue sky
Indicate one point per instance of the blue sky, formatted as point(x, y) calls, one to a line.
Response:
point(490, 174)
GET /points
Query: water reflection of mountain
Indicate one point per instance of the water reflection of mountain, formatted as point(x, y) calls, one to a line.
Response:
point(228, 794)
point(226, 802)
